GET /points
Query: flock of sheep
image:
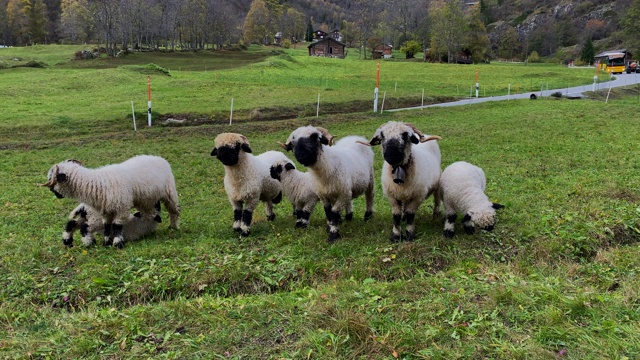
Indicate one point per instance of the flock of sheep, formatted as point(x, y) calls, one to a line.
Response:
point(337, 173)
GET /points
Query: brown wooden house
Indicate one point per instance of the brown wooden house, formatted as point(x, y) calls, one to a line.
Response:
point(327, 47)
point(382, 51)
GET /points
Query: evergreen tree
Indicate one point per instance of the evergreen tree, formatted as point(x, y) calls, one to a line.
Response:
point(631, 27)
point(309, 35)
point(588, 52)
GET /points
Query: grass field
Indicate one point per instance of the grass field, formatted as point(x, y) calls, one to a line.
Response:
point(276, 82)
point(557, 278)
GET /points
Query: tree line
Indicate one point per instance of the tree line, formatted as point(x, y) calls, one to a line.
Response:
point(437, 30)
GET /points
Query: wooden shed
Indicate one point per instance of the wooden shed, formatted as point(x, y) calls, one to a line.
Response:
point(382, 51)
point(327, 47)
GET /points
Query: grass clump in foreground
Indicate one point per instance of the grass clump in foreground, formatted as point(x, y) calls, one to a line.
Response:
point(557, 277)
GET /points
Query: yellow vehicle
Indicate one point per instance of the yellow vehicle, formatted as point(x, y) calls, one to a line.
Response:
point(614, 61)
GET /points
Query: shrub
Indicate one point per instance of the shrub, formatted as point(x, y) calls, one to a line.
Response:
point(533, 57)
point(286, 44)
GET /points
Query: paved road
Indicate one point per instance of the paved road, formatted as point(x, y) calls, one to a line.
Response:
point(575, 92)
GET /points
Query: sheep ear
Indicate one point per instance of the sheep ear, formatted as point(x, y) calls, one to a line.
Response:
point(246, 148)
point(497, 206)
point(415, 138)
point(214, 152)
point(375, 141)
point(289, 166)
point(61, 178)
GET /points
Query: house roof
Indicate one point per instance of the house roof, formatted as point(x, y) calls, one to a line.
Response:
point(325, 40)
point(613, 54)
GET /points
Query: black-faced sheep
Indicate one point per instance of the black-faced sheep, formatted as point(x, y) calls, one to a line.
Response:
point(461, 189)
point(247, 179)
point(113, 190)
point(89, 221)
point(410, 172)
point(340, 172)
point(297, 186)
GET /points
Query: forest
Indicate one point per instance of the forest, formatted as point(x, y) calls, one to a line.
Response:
point(440, 30)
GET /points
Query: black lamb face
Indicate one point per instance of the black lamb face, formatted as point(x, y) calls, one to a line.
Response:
point(307, 149)
point(396, 151)
point(57, 194)
point(229, 155)
point(276, 171)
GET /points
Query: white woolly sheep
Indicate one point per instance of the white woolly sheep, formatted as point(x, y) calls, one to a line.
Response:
point(461, 189)
point(89, 221)
point(410, 172)
point(113, 190)
point(247, 179)
point(297, 186)
point(340, 172)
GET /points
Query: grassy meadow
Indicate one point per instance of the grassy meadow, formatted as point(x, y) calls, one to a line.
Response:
point(557, 278)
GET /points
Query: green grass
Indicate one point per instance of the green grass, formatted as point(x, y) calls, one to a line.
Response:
point(557, 278)
point(203, 84)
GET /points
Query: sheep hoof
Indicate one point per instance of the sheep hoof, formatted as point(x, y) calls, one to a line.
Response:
point(245, 233)
point(409, 236)
point(448, 234)
point(237, 229)
point(301, 225)
point(470, 230)
point(68, 242)
point(368, 215)
point(395, 238)
point(348, 216)
point(107, 242)
point(119, 245)
point(271, 217)
point(333, 236)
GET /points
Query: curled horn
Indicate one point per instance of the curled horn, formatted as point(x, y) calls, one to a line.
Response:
point(284, 146)
point(73, 161)
point(363, 143)
point(430, 137)
point(244, 138)
point(326, 134)
point(51, 181)
point(423, 137)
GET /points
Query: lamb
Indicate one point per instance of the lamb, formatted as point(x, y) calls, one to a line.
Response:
point(410, 173)
point(339, 172)
point(461, 189)
point(113, 190)
point(247, 179)
point(297, 186)
point(89, 221)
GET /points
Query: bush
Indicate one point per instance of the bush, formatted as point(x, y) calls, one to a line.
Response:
point(533, 57)
point(286, 44)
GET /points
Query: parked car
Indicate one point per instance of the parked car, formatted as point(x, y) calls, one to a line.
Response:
point(633, 67)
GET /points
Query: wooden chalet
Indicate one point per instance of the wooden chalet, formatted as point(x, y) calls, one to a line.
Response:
point(319, 35)
point(382, 51)
point(327, 47)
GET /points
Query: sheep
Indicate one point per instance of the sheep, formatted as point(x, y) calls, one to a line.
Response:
point(113, 190)
point(461, 189)
point(410, 173)
point(339, 172)
point(247, 179)
point(297, 186)
point(89, 221)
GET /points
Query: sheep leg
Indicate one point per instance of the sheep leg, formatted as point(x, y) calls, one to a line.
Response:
point(348, 214)
point(247, 216)
point(396, 212)
point(87, 236)
point(237, 215)
point(171, 203)
point(333, 219)
point(410, 216)
point(368, 195)
point(305, 214)
point(437, 204)
point(108, 240)
point(270, 214)
point(67, 235)
point(118, 239)
point(449, 224)
point(467, 224)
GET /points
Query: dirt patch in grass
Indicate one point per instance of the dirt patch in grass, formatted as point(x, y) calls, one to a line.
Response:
point(622, 194)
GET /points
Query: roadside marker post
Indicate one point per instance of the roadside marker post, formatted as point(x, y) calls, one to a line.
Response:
point(149, 100)
point(375, 92)
point(133, 112)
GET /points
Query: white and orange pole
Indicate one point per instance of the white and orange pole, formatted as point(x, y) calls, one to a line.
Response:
point(477, 84)
point(375, 92)
point(149, 100)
